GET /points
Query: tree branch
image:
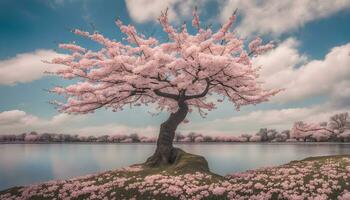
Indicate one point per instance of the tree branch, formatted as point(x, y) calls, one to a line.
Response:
point(202, 94)
point(166, 95)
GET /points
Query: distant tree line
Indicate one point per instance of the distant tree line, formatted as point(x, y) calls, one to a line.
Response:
point(34, 137)
point(337, 129)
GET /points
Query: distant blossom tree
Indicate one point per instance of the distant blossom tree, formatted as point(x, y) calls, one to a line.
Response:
point(312, 131)
point(176, 75)
point(337, 129)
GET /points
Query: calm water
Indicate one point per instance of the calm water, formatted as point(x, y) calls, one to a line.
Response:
point(22, 164)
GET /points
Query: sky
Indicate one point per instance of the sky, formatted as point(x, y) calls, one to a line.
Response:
point(311, 61)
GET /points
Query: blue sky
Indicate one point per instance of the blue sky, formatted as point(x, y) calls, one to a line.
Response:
point(311, 61)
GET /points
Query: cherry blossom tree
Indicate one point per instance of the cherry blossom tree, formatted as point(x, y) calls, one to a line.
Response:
point(304, 131)
point(175, 75)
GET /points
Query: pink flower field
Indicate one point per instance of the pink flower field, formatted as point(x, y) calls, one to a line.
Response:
point(313, 178)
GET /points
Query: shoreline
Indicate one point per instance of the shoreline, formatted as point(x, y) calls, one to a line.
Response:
point(190, 143)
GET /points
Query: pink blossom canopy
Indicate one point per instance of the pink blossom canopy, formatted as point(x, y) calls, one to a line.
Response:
point(143, 70)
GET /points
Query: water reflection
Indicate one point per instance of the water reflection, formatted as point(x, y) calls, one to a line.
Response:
point(22, 164)
point(228, 158)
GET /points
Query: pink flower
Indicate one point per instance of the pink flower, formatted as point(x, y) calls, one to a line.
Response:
point(259, 186)
point(219, 190)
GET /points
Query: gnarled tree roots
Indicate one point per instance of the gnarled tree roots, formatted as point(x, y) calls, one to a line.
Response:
point(164, 155)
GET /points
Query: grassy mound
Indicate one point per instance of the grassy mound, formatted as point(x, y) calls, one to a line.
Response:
point(189, 178)
point(184, 163)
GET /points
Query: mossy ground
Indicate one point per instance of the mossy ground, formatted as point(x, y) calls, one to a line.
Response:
point(193, 170)
point(185, 163)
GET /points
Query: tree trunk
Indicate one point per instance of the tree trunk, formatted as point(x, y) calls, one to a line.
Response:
point(165, 152)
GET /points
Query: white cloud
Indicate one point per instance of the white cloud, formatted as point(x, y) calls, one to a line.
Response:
point(340, 96)
point(146, 10)
point(280, 119)
point(15, 121)
point(18, 121)
point(261, 17)
point(283, 118)
point(301, 78)
point(285, 56)
point(11, 117)
point(276, 16)
point(26, 67)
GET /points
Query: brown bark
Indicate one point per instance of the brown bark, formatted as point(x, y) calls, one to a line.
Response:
point(165, 152)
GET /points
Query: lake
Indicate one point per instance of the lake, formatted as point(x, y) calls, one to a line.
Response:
point(22, 164)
